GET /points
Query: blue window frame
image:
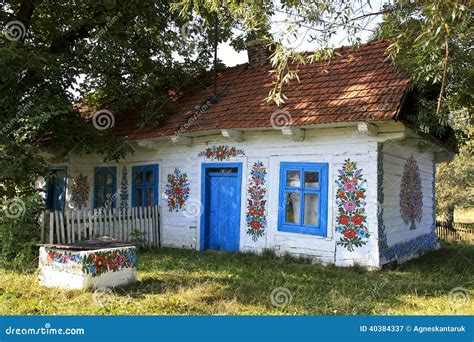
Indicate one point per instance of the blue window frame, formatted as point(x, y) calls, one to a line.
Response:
point(144, 185)
point(303, 198)
point(105, 185)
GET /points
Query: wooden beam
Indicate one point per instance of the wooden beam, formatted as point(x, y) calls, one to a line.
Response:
point(367, 128)
point(295, 133)
point(182, 140)
point(233, 134)
point(149, 144)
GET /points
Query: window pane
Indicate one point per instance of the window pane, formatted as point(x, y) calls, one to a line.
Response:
point(292, 214)
point(108, 198)
point(311, 179)
point(293, 178)
point(100, 178)
point(100, 199)
point(139, 178)
point(149, 196)
point(109, 178)
point(311, 206)
point(149, 177)
point(138, 197)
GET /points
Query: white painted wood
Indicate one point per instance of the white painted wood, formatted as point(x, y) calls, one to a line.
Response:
point(367, 128)
point(182, 140)
point(294, 133)
point(51, 226)
point(232, 134)
point(395, 155)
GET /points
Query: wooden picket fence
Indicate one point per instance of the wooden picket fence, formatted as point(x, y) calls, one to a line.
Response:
point(459, 232)
point(76, 225)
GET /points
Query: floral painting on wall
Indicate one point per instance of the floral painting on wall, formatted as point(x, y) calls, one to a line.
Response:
point(411, 195)
point(350, 200)
point(124, 189)
point(80, 191)
point(256, 203)
point(222, 152)
point(177, 190)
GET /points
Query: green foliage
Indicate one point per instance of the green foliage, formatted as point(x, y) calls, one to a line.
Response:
point(19, 231)
point(138, 237)
point(432, 40)
point(455, 182)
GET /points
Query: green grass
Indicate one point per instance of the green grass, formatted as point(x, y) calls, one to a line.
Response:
point(190, 283)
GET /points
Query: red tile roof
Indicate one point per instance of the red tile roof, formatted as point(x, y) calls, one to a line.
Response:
point(358, 85)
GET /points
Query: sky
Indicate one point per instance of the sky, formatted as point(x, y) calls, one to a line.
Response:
point(230, 57)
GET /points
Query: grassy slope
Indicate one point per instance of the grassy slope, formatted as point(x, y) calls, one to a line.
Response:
point(186, 282)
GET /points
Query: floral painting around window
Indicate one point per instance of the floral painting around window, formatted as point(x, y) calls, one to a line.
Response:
point(256, 203)
point(222, 152)
point(177, 190)
point(80, 191)
point(350, 200)
point(411, 195)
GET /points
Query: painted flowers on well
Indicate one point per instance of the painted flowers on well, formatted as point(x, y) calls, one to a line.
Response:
point(352, 219)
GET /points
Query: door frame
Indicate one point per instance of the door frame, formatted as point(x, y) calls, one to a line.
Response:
point(204, 167)
point(53, 167)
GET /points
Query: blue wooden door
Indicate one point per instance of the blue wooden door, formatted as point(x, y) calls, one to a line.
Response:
point(56, 189)
point(223, 210)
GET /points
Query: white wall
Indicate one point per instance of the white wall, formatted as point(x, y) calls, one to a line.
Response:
point(330, 145)
point(403, 243)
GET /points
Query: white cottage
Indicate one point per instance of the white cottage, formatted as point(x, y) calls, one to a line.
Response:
point(335, 175)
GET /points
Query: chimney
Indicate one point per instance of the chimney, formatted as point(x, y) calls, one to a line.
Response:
point(258, 53)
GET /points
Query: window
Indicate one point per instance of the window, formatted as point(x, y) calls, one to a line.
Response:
point(105, 187)
point(144, 185)
point(303, 198)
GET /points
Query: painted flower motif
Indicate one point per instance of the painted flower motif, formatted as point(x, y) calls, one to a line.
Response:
point(255, 225)
point(350, 233)
point(99, 263)
point(344, 219)
point(350, 206)
point(256, 202)
point(177, 190)
point(357, 219)
point(351, 189)
point(108, 261)
point(120, 260)
point(220, 153)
